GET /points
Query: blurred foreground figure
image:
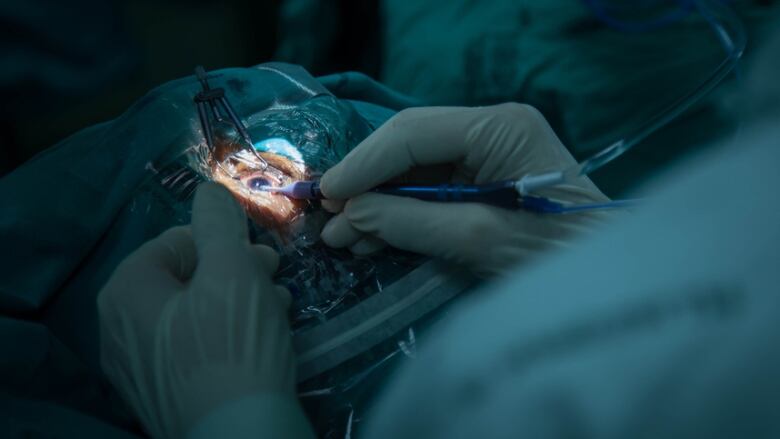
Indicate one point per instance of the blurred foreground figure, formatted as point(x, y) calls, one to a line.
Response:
point(665, 325)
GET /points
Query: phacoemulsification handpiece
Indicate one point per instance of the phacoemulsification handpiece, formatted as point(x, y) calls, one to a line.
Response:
point(502, 194)
point(505, 194)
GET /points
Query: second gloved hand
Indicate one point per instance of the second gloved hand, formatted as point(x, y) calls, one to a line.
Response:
point(461, 145)
point(194, 333)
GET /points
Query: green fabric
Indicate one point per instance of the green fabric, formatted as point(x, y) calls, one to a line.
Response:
point(58, 206)
point(48, 391)
point(23, 418)
point(593, 83)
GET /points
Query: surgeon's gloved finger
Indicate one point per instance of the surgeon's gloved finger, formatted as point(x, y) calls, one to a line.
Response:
point(431, 174)
point(172, 252)
point(219, 227)
point(413, 137)
point(339, 232)
point(267, 258)
point(367, 245)
point(181, 257)
point(459, 232)
point(332, 206)
point(419, 175)
point(166, 262)
point(284, 296)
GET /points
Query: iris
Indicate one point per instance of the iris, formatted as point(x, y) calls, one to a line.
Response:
point(257, 183)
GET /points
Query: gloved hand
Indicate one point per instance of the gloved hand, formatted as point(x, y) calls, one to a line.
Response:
point(192, 322)
point(454, 144)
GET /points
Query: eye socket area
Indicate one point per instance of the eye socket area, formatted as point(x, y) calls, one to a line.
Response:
point(245, 179)
point(244, 174)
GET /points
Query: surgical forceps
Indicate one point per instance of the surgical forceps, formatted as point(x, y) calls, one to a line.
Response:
point(214, 99)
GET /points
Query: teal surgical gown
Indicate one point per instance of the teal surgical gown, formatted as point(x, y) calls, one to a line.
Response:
point(661, 325)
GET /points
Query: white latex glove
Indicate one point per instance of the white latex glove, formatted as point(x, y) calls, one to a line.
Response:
point(453, 144)
point(191, 323)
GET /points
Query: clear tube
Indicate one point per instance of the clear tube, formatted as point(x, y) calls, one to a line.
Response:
point(615, 204)
point(731, 34)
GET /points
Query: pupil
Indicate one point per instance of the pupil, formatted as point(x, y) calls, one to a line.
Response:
point(257, 183)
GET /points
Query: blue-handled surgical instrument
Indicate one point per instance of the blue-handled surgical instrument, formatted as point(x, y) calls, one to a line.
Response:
point(501, 194)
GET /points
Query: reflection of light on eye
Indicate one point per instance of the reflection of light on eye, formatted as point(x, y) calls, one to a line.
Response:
point(257, 183)
point(243, 173)
point(281, 146)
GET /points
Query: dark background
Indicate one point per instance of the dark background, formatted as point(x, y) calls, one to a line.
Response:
point(67, 65)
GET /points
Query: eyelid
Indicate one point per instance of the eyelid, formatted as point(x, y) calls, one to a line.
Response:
point(276, 173)
point(246, 162)
point(270, 171)
point(272, 177)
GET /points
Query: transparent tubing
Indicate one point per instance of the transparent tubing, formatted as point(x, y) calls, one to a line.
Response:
point(730, 32)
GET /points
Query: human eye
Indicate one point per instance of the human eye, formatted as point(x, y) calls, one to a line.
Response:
point(247, 176)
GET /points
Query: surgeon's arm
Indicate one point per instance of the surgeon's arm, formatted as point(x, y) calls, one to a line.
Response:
point(462, 145)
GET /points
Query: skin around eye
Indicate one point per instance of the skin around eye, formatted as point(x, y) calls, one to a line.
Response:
point(243, 178)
